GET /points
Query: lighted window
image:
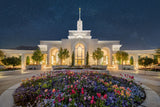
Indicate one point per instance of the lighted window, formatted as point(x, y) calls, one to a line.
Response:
point(79, 54)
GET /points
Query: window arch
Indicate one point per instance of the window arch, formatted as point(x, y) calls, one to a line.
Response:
point(79, 54)
point(54, 56)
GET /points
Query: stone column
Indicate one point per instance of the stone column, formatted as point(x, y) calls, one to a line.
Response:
point(23, 62)
point(48, 59)
point(136, 61)
point(110, 58)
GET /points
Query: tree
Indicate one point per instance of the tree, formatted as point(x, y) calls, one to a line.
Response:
point(73, 58)
point(27, 60)
point(121, 56)
point(37, 56)
point(63, 54)
point(131, 60)
point(87, 58)
point(14, 61)
point(97, 54)
point(144, 61)
point(158, 52)
point(1, 55)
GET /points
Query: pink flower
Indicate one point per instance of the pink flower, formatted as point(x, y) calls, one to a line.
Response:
point(89, 97)
point(59, 100)
point(105, 96)
point(92, 97)
point(40, 96)
point(36, 98)
point(84, 98)
point(92, 101)
point(70, 99)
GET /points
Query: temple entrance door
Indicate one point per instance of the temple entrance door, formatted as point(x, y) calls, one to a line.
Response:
point(79, 54)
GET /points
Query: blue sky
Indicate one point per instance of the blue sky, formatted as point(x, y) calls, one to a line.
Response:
point(136, 23)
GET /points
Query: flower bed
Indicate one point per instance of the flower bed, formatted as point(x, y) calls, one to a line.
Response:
point(71, 89)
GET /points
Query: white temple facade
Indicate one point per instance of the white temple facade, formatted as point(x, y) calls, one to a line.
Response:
point(80, 42)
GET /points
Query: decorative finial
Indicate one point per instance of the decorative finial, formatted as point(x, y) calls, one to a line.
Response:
point(79, 13)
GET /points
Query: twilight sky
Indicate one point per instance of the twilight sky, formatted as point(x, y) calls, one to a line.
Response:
point(136, 23)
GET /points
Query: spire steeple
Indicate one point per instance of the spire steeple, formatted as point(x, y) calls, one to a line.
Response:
point(79, 13)
point(79, 22)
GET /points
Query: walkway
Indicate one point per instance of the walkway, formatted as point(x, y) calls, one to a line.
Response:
point(149, 78)
point(8, 79)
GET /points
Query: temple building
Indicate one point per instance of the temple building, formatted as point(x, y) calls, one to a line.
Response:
point(80, 42)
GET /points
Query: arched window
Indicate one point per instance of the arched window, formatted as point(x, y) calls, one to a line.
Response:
point(79, 54)
point(105, 58)
point(54, 56)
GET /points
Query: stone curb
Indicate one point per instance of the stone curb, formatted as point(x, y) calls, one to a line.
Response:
point(6, 99)
point(152, 98)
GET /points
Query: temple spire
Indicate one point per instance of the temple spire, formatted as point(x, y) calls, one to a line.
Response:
point(79, 13)
point(79, 22)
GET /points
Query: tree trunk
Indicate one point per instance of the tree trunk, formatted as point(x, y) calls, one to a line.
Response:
point(61, 61)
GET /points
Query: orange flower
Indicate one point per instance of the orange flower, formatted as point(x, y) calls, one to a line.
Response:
point(128, 94)
point(53, 90)
point(45, 90)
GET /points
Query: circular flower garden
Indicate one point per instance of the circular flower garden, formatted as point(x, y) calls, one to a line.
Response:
point(78, 89)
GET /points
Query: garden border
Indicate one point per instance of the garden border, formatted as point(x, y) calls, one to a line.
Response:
point(152, 98)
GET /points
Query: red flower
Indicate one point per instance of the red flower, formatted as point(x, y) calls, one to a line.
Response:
point(132, 77)
point(105, 96)
point(129, 90)
point(99, 95)
point(82, 92)
point(73, 92)
point(118, 92)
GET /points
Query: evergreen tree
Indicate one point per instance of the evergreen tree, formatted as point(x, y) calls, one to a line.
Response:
point(73, 58)
point(27, 60)
point(87, 59)
point(131, 60)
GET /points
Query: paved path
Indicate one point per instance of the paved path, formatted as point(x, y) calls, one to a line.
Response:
point(8, 79)
point(148, 78)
